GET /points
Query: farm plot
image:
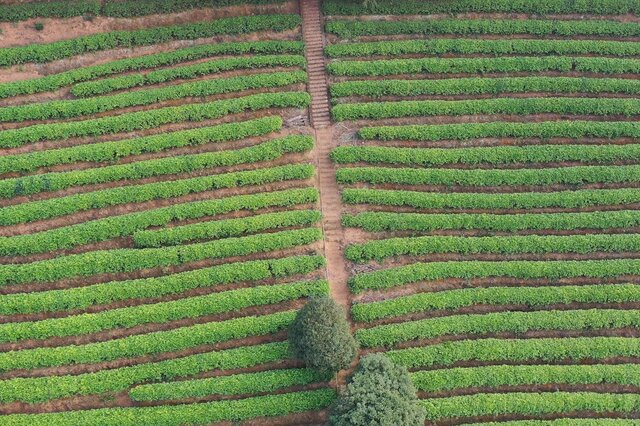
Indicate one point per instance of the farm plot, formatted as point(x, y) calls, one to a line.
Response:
point(488, 164)
point(159, 227)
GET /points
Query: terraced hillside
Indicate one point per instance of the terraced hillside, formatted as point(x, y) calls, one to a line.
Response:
point(159, 224)
point(489, 166)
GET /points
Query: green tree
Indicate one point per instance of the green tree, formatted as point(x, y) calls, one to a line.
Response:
point(380, 393)
point(321, 337)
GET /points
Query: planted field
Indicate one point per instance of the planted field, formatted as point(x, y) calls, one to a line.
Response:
point(159, 220)
point(487, 163)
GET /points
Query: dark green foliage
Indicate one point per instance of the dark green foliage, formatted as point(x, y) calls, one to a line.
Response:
point(320, 336)
point(380, 393)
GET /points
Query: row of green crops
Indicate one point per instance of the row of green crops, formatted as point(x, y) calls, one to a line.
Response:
point(81, 107)
point(118, 8)
point(99, 87)
point(161, 312)
point(529, 64)
point(177, 415)
point(66, 237)
point(417, 7)
point(515, 106)
point(498, 322)
point(387, 221)
point(506, 245)
point(40, 389)
point(520, 269)
point(103, 152)
point(150, 119)
point(530, 404)
point(579, 175)
point(487, 47)
point(129, 260)
point(478, 86)
point(537, 27)
point(113, 291)
point(549, 349)
point(117, 39)
point(224, 228)
point(48, 182)
point(56, 81)
point(146, 344)
point(562, 422)
point(533, 297)
point(469, 200)
point(237, 384)
point(509, 375)
point(500, 129)
point(495, 155)
point(56, 207)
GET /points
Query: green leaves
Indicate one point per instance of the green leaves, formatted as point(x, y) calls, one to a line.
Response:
point(538, 27)
point(514, 106)
point(141, 120)
point(177, 415)
point(498, 322)
point(111, 40)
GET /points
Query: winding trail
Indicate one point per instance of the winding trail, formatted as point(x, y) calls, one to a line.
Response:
point(313, 35)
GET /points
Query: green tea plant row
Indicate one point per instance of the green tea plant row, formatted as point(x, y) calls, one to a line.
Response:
point(501, 129)
point(537, 350)
point(518, 244)
point(56, 207)
point(129, 260)
point(530, 404)
point(479, 86)
point(494, 155)
point(562, 422)
point(529, 64)
point(519, 269)
point(237, 384)
point(81, 107)
point(417, 7)
point(514, 375)
point(127, 8)
point(103, 152)
point(515, 106)
point(56, 81)
point(48, 52)
point(177, 415)
point(99, 87)
point(468, 200)
point(147, 344)
point(224, 228)
point(539, 27)
point(57, 9)
point(142, 120)
point(162, 312)
point(578, 175)
point(66, 237)
point(99, 294)
point(532, 297)
point(41, 389)
point(497, 322)
point(56, 181)
point(387, 221)
point(489, 47)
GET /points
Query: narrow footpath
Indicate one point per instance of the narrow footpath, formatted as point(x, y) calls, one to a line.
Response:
point(313, 34)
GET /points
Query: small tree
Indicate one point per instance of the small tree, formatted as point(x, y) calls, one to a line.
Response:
point(320, 336)
point(379, 393)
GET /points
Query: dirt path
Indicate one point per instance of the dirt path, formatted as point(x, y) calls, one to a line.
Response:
point(337, 273)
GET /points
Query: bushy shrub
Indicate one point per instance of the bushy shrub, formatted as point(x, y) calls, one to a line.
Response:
point(321, 337)
point(379, 393)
